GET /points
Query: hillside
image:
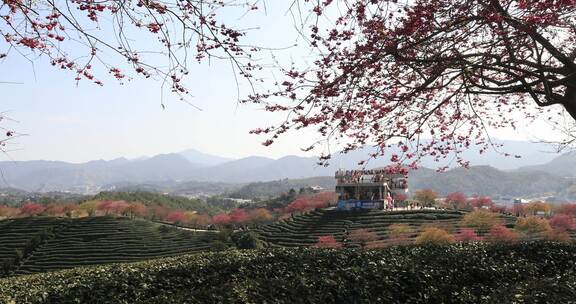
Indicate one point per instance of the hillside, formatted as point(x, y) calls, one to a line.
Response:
point(152, 199)
point(562, 165)
point(486, 180)
point(304, 230)
point(539, 272)
point(44, 176)
point(42, 244)
point(157, 172)
point(276, 188)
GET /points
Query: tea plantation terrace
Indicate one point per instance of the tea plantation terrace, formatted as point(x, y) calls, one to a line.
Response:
point(304, 229)
point(38, 244)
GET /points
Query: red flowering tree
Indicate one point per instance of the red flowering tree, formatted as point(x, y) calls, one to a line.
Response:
point(91, 38)
point(119, 207)
point(500, 233)
point(562, 222)
point(467, 235)
point(481, 202)
point(105, 206)
point(158, 212)
point(363, 236)
point(391, 72)
point(238, 216)
point(327, 241)
point(568, 209)
point(309, 202)
point(456, 200)
point(221, 219)
point(29, 209)
point(178, 217)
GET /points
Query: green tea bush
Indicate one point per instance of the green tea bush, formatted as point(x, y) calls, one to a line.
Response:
point(533, 272)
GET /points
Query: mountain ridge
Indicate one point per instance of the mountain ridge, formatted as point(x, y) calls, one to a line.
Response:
point(94, 176)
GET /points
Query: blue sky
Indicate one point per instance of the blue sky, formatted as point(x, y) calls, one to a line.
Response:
point(79, 123)
point(85, 122)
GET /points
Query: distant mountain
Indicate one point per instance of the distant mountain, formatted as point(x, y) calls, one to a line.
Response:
point(196, 167)
point(563, 165)
point(485, 180)
point(44, 176)
point(203, 159)
point(240, 170)
point(478, 180)
point(530, 154)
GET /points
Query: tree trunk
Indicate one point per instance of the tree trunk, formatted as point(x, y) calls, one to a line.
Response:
point(570, 100)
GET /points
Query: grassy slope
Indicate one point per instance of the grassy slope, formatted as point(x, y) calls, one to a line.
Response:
point(539, 272)
point(94, 240)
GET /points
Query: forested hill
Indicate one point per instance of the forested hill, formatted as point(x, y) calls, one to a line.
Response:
point(274, 188)
point(150, 199)
point(485, 180)
point(480, 180)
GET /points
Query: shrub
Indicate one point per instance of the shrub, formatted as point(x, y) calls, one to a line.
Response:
point(481, 220)
point(433, 235)
point(247, 240)
point(399, 233)
point(363, 236)
point(462, 273)
point(562, 222)
point(166, 229)
point(500, 233)
point(218, 246)
point(327, 241)
point(467, 235)
point(533, 226)
point(558, 235)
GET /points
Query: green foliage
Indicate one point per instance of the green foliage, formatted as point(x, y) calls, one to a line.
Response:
point(304, 230)
point(539, 272)
point(289, 188)
point(222, 203)
point(533, 226)
point(151, 199)
point(218, 246)
point(16, 197)
point(426, 197)
point(481, 220)
point(247, 240)
point(434, 236)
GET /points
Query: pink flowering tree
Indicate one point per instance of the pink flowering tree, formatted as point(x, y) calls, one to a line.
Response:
point(29, 209)
point(391, 72)
point(178, 217)
point(221, 219)
point(90, 39)
point(467, 235)
point(327, 241)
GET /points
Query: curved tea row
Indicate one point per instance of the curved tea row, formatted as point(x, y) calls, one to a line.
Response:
point(304, 230)
point(66, 243)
